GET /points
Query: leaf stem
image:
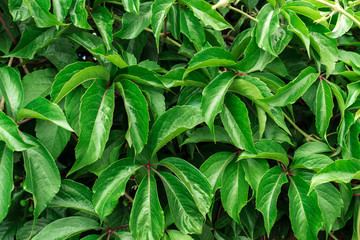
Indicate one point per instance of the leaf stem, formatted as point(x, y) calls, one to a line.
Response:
point(307, 136)
point(333, 236)
point(129, 197)
point(242, 12)
point(167, 38)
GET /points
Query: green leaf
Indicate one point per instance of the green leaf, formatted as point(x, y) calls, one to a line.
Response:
point(159, 10)
point(173, 122)
point(74, 195)
point(61, 8)
point(210, 57)
point(267, 149)
point(311, 148)
point(236, 122)
point(343, 170)
point(96, 116)
point(31, 228)
point(111, 185)
point(132, 6)
point(79, 14)
point(141, 75)
point(213, 168)
point(254, 171)
point(137, 112)
point(268, 22)
point(6, 179)
point(304, 8)
point(213, 98)
point(104, 21)
point(293, 90)
point(304, 212)
point(234, 190)
point(312, 161)
point(19, 10)
point(42, 108)
point(207, 14)
point(353, 93)
point(147, 219)
point(72, 108)
point(193, 179)
point(267, 194)
point(343, 25)
point(42, 176)
point(32, 40)
point(191, 27)
point(11, 89)
point(69, 226)
point(42, 16)
point(132, 24)
point(177, 235)
point(74, 75)
point(324, 107)
point(174, 21)
point(187, 217)
point(203, 134)
point(10, 134)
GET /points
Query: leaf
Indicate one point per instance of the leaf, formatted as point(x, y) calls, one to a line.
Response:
point(210, 57)
point(268, 22)
point(79, 14)
point(191, 27)
point(74, 195)
point(69, 226)
point(203, 134)
point(312, 161)
point(72, 108)
point(311, 148)
point(61, 8)
point(31, 228)
point(19, 10)
point(147, 217)
point(343, 25)
point(193, 179)
point(267, 149)
point(293, 90)
point(207, 14)
point(104, 21)
point(173, 122)
point(324, 107)
point(10, 134)
point(234, 190)
point(159, 10)
point(141, 75)
point(111, 185)
point(11, 89)
point(343, 170)
point(213, 168)
point(132, 6)
point(42, 16)
point(213, 98)
point(254, 170)
point(353, 93)
point(187, 217)
point(42, 108)
point(74, 75)
point(267, 194)
point(177, 235)
point(236, 122)
point(132, 24)
point(137, 112)
point(42, 176)
point(96, 116)
point(6, 179)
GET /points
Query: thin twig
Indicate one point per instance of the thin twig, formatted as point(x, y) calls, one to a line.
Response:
point(129, 197)
point(333, 236)
point(172, 41)
point(243, 13)
point(307, 136)
point(24, 121)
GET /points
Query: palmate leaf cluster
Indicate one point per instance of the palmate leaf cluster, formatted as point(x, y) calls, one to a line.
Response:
point(175, 119)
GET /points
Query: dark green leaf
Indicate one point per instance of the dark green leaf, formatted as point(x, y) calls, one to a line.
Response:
point(254, 171)
point(72, 108)
point(6, 179)
point(191, 27)
point(19, 10)
point(324, 107)
point(312, 161)
point(311, 148)
point(61, 8)
point(79, 14)
point(104, 21)
point(41, 14)
point(203, 134)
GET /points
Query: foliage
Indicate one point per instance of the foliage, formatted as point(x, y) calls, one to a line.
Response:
point(187, 119)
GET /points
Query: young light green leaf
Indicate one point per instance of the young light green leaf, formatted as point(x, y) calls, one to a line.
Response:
point(147, 217)
point(343, 170)
point(267, 194)
point(6, 179)
point(111, 185)
point(10, 134)
point(96, 116)
point(138, 115)
point(131, 6)
point(187, 217)
point(266, 148)
point(213, 98)
point(305, 214)
point(343, 24)
point(236, 122)
point(41, 14)
point(42, 175)
point(191, 27)
point(69, 226)
point(324, 107)
point(159, 10)
point(74, 195)
point(314, 162)
point(104, 21)
point(293, 90)
point(268, 22)
point(207, 14)
point(213, 168)
point(194, 181)
point(173, 122)
point(11, 89)
point(74, 75)
point(234, 190)
point(210, 57)
point(42, 108)
point(79, 14)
